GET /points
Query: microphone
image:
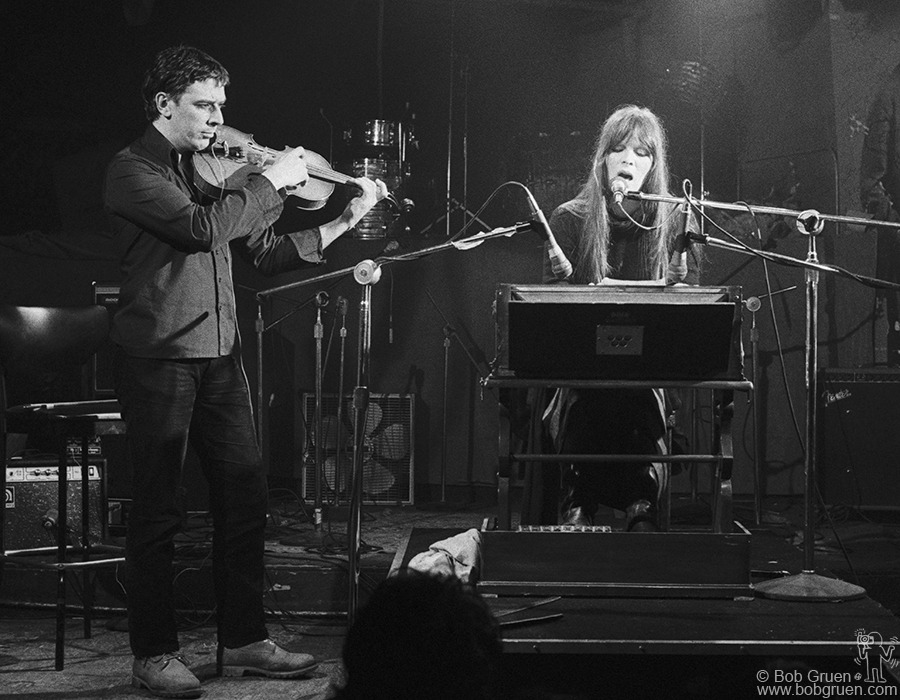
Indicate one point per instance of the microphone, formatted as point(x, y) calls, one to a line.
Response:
point(407, 205)
point(678, 268)
point(559, 263)
point(322, 299)
point(619, 188)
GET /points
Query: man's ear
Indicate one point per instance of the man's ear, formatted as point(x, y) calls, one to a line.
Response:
point(164, 105)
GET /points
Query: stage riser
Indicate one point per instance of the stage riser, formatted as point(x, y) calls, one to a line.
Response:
point(663, 564)
point(292, 589)
point(650, 675)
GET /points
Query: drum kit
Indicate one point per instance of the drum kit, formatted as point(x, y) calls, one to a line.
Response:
point(380, 149)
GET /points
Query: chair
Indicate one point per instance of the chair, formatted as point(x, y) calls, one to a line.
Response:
point(37, 345)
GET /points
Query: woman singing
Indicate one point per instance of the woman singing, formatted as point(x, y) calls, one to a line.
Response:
point(614, 239)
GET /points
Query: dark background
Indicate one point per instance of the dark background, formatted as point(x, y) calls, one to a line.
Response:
point(764, 101)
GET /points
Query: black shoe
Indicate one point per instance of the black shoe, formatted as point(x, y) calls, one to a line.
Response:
point(640, 516)
point(577, 517)
point(263, 658)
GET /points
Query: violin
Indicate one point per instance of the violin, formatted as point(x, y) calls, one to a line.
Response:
point(234, 156)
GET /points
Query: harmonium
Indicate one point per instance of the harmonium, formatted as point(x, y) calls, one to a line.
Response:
point(627, 332)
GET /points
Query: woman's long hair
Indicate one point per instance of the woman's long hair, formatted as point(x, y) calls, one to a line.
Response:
point(591, 263)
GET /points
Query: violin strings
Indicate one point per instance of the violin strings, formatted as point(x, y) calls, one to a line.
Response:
point(337, 177)
point(327, 172)
point(315, 170)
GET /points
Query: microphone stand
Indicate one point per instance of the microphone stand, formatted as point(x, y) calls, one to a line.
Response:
point(366, 273)
point(320, 300)
point(449, 333)
point(260, 329)
point(754, 304)
point(318, 333)
point(338, 454)
point(807, 585)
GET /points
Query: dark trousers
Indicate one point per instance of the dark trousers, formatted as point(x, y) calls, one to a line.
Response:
point(164, 403)
point(608, 422)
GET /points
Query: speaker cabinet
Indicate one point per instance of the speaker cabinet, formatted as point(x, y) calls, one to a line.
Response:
point(859, 437)
point(32, 500)
point(388, 449)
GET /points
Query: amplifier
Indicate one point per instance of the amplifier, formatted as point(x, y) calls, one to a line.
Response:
point(857, 438)
point(94, 448)
point(32, 500)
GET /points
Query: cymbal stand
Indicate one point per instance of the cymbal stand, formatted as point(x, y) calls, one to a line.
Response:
point(807, 585)
point(452, 205)
point(449, 130)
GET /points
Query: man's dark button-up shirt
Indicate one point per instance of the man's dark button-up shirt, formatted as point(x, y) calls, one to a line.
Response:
point(177, 295)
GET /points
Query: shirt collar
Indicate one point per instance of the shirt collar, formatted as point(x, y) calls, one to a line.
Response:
point(159, 146)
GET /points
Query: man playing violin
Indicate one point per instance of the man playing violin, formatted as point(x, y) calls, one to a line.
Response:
point(178, 371)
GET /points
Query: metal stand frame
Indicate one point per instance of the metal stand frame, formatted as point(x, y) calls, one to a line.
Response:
point(366, 274)
point(753, 305)
point(807, 585)
point(452, 204)
point(318, 334)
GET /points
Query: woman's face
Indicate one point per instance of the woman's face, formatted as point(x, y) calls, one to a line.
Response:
point(630, 161)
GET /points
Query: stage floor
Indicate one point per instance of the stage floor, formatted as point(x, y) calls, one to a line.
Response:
point(589, 646)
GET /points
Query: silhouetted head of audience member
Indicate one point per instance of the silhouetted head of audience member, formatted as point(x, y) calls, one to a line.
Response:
point(422, 636)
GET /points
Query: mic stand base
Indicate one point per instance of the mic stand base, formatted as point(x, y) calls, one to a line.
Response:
point(810, 587)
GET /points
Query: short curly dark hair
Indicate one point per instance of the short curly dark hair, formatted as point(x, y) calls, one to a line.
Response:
point(421, 636)
point(176, 68)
